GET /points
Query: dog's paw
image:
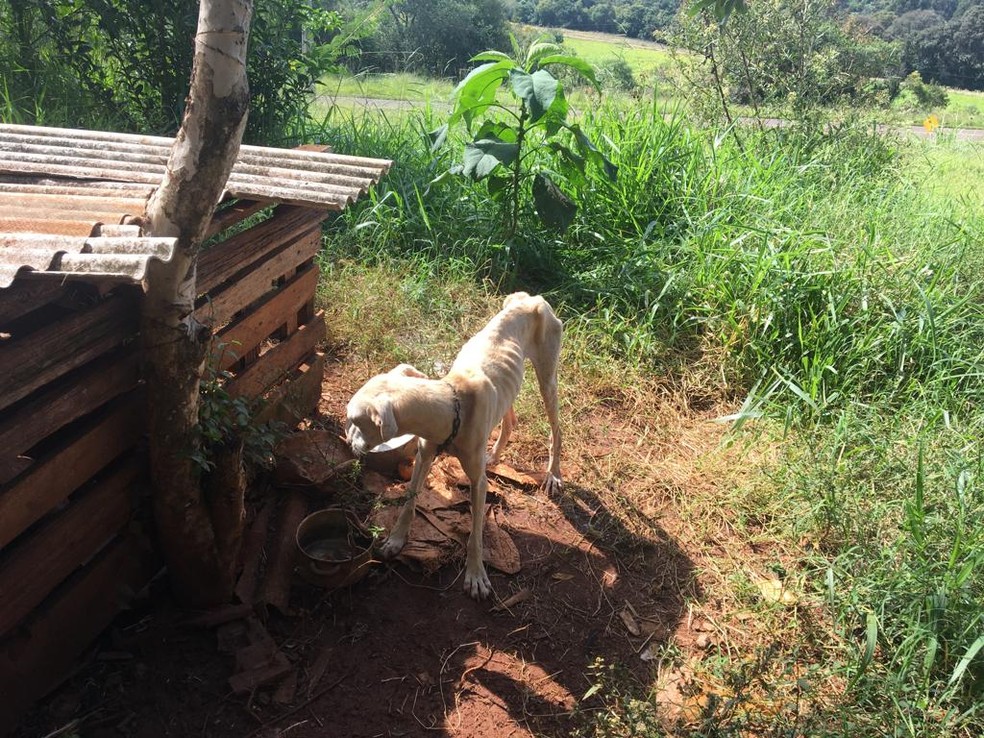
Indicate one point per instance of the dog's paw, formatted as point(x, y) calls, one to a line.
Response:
point(391, 547)
point(477, 583)
point(553, 485)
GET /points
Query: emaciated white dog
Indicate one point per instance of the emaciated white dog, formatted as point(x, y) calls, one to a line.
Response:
point(457, 413)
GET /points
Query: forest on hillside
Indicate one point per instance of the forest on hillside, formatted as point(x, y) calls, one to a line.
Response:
point(131, 59)
point(943, 40)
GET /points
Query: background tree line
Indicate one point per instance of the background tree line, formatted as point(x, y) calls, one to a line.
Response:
point(125, 63)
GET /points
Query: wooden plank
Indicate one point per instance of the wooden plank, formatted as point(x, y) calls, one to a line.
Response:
point(246, 334)
point(42, 652)
point(234, 214)
point(225, 259)
point(218, 308)
point(55, 407)
point(276, 363)
point(34, 360)
point(280, 564)
point(295, 399)
point(24, 296)
point(253, 555)
point(68, 467)
point(30, 570)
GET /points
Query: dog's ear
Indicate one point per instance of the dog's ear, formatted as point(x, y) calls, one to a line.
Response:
point(381, 413)
point(406, 370)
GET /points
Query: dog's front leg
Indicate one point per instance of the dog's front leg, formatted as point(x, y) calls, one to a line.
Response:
point(426, 451)
point(477, 582)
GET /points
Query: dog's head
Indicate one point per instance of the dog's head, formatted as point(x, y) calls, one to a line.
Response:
point(370, 418)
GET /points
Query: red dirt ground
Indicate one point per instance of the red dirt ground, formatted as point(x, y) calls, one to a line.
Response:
point(404, 652)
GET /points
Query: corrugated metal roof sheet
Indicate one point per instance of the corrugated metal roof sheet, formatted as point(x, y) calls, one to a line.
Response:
point(64, 192)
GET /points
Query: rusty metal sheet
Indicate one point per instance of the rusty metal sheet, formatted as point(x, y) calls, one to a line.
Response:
point(312, 178)
point(125, 257)
point(69, 198)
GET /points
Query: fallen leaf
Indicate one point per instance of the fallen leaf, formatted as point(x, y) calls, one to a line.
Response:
point(630, 622)
point(561, 576)
point(521, 596)
point(773, 590)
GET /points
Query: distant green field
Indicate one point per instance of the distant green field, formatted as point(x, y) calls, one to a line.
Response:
point(644, 57)
point(965, 109)
point(954, 173)
point(401, 86)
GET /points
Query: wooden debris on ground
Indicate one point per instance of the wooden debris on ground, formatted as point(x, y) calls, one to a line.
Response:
point(259, 661)
point(312, 457)
point(280, 563)
point(442, 524)
point(256, 539)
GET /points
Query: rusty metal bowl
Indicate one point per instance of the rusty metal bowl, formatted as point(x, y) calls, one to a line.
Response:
point(334, 549)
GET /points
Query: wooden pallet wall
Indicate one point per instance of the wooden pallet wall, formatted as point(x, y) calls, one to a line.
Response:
point(73, 547)
point(259, 293)
point(71, 474)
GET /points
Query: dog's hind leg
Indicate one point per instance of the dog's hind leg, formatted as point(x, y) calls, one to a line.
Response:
point(546, 359)
point(397, 539)
point(505, 430)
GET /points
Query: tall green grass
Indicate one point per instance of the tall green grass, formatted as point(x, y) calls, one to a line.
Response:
point(833, 291)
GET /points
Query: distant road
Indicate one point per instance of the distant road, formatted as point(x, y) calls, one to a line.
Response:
point(378, 103)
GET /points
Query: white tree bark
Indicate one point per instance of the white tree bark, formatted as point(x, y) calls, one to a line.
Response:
point(175, 345)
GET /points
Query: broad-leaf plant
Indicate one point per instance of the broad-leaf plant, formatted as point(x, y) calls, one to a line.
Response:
point(506, 141)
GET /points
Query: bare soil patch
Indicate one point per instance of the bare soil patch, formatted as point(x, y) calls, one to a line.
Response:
point(404, 652)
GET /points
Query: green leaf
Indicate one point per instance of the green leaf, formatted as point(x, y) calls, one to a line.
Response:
point(498, 186)
point(537, 51)
point(476, 92)
point(497, 130)
point(438, 137)
point(720, 9)
point(485, 74)
point(483, 156)
point(870, 643)
point(591, 152)
point(514, 43)
point(572, 164)
point(440, 179)
point(555, 208)
point(568, 156)
point(576, 63)
point(965, 660)
point(592, 690)
point(492, 56)
point(537, 90)
point(557, 114)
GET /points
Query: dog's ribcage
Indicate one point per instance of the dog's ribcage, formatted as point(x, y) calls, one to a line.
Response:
point(504, 366)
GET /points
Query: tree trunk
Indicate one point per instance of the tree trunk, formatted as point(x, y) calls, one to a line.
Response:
point(175, 345)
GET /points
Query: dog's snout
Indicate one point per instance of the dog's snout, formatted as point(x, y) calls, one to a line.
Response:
point(354, 438)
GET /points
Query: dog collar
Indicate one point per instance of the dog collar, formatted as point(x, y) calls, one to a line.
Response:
point(455, 424)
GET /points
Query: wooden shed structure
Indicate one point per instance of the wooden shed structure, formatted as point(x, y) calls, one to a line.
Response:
point(74, 534)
